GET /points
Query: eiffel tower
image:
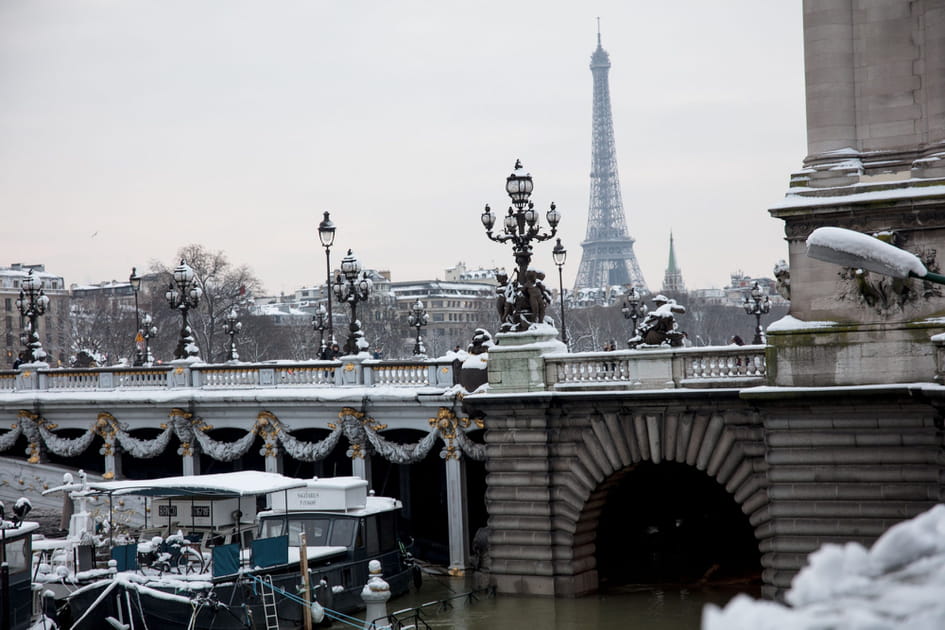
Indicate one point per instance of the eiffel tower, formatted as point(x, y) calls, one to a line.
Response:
point(608, 257)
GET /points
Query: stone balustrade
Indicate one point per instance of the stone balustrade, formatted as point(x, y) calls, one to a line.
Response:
point(345, 372)
point(702, 367)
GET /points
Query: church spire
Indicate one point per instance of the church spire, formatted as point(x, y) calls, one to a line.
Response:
point(673, 280)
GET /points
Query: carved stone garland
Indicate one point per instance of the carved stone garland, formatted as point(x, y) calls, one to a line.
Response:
point(361, 431)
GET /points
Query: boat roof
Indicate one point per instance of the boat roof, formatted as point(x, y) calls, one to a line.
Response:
point(12, 532)
point(232, 484)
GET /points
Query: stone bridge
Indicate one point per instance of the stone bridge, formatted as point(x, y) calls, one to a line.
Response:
point(589, 458)
point(573, 466)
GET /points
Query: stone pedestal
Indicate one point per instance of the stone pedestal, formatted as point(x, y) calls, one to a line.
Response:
point(516, 362)
point(847, 326)
point(375, 595)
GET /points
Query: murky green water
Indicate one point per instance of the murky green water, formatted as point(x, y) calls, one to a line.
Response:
point(629, 608)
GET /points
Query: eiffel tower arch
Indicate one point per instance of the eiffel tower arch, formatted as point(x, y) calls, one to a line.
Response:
point(608, 257)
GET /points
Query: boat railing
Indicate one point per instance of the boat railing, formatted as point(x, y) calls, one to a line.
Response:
point(413, 617)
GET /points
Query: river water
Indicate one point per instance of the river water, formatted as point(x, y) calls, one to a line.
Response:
point(641, 607)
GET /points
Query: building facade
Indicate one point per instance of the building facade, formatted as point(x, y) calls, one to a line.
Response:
point(52, 327)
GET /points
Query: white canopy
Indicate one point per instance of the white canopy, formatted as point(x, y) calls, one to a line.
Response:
point(234, 484)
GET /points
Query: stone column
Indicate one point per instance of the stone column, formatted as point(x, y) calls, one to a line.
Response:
point(274, 462)
point(112, 461)
point(457, 514)
point(361, 467)
point(829, 75)
point(190, 462)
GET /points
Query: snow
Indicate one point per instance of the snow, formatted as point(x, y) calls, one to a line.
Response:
point(790, 323)
point(796, 200)
point(182, 397)
point(898, 583)
point(854, 249)
point(242, 483)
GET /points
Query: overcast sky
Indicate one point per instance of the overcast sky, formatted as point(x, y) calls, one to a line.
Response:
point(129, 128)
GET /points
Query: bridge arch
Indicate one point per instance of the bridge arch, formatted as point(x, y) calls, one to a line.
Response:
point(726, 446)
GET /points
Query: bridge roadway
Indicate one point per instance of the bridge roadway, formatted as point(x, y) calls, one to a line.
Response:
point(562, 431)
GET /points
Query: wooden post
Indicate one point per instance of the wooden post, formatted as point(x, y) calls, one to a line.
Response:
point(306, 597)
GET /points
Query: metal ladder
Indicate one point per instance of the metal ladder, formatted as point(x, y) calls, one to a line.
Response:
point(269, 604)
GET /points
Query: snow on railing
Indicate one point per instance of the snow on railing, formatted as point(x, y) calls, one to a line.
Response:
point(71, 379)
point(305, 375)
point(415, 374)
point(741, 364)
point(658, 368)
point(7, 382)
point(438, 373)
point(226, 376)
point(142, 377)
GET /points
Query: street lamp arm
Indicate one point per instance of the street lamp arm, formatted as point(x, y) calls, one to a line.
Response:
point(935, 278)
point(848, 248)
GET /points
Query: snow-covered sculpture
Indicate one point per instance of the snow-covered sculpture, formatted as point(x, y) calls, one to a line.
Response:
point(659, 328)
point(782, 274)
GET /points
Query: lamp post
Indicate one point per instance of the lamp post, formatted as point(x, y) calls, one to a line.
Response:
point(757, 304)
point(326, 234)
point(148, 332)
point(633, 309)
point(524, 304)
point(319, 323)
point(559, 254)
point(353, 286)
point(183, 294)
point(418, 317)
point(135, 281)
point(232, 327)
point(32, 303)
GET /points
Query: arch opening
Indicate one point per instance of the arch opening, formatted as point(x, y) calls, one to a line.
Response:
point(670, 523)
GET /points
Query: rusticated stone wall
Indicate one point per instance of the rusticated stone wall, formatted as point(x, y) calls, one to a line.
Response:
point(806, 467)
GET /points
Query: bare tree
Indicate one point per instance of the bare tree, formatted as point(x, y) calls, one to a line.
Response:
point(103, 327)
point(224, 287)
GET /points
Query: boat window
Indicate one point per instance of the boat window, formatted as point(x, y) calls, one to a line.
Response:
point(316, 531)
point(272, 527)
point(388, 531)
point(359, 541)
point(342, 532)
point(373, 544)
point(17, 551)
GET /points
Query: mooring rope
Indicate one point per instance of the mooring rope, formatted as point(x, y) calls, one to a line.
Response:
point(354, 622)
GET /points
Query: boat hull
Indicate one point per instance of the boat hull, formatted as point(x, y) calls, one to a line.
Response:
point(229, 603)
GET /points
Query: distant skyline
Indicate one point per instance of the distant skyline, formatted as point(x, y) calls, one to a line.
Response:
point(130, 129)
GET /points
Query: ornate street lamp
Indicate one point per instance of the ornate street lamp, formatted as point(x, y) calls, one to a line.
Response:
point(353, 286)
point(757, 304)
point(148, 332)
point(32, 303)
point(633, 309)
point(523, 302)
point(326, 234)
point(319, 323)
point(232, 327)
point(183, 294)
point(559, 254)
point(135, 281)
point(418, 317)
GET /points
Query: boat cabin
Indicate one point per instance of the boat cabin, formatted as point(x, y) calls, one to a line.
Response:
point(336, 513)
point(16, 551)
